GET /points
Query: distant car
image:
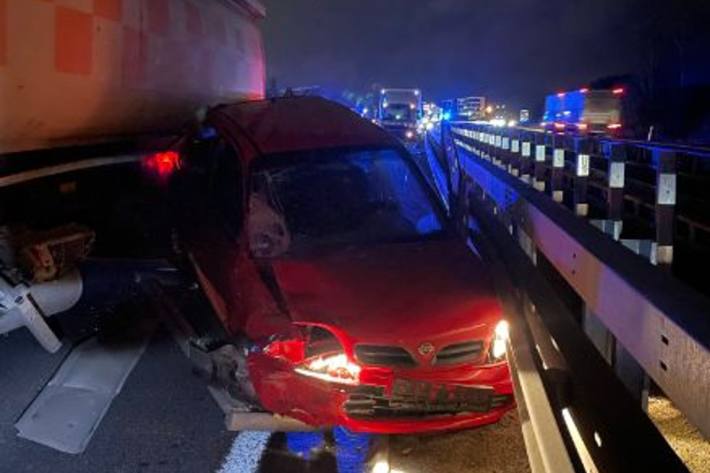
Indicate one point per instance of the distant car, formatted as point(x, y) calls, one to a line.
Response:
point(330, 263)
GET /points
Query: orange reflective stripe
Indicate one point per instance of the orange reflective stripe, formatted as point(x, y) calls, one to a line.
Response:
point(73, 41)
point(109, 9)
point(3, 32)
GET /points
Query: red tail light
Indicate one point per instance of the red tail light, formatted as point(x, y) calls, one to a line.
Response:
point(618, 91)
point(163, 163)
point(584, 90)
point(559, 126)
point(614, 126)
point(582, 126)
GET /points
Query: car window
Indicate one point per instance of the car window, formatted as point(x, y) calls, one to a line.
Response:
point(226, 187)
point(210, 183)
point(345, 197)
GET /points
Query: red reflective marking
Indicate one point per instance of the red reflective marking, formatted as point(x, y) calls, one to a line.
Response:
point(158, 16)
point(73, 41)
point(194, 19)
point(3, 32)
point(163, 163)
point(135, 45)
point(109, 9)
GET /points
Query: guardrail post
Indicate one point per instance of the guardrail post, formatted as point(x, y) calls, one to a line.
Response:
point(558, 168)
point(581, 177)
point(498, 144)
point(666, 183)
point(540, 157)
point(484, 144)
point(505, 152)
point(525, 158)
point(514, 166)
point(616, 180)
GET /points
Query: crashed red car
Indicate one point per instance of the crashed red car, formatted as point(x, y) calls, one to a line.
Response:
point(316, 239)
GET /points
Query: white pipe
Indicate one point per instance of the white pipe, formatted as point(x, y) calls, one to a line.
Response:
point(56, 296)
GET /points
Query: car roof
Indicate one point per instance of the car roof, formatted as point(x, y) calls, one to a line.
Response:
point(298, 124)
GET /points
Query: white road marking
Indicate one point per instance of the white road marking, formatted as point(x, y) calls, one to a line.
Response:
point(246, 452)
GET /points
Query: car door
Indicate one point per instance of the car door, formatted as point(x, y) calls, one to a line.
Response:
point(212, 205)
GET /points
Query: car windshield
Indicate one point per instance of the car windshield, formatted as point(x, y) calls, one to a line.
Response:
point(398, 112)
point(338, 197)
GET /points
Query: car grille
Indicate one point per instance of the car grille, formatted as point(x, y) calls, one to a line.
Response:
point(384, 355)
point(458, 353)
point(421, 399)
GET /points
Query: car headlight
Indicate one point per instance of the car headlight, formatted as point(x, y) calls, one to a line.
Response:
point(500, 341)
point(334, 368)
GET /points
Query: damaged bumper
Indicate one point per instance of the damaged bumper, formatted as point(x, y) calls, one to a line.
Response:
point(386, 401)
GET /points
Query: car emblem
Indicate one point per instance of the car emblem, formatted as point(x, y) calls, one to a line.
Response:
point(426, 348)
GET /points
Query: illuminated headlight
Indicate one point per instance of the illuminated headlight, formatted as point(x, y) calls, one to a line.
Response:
point(331, 368)
point(409, 134)
point(429, 126)
point(500, 341)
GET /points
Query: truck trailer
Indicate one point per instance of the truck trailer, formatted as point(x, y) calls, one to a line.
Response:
point(584, 111)
point(92, 95)
point(92, 72)
point(399, 111)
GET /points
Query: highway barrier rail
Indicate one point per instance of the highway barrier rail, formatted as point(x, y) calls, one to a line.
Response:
point(603, 320)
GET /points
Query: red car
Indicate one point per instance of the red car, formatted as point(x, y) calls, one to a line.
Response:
point(331, 264)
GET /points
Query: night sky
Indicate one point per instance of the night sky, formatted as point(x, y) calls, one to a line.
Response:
point(514, 51)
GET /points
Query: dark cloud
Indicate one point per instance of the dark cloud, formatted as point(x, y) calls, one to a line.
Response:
point(513, 50)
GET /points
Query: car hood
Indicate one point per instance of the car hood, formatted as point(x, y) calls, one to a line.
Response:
point(405, 293)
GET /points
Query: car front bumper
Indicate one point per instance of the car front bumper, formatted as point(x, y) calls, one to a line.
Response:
point(387, 402)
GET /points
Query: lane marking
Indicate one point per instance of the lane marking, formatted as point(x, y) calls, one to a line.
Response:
point(246, 452)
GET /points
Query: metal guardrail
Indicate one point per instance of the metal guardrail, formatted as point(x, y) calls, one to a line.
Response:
point(661, 322)
point(652, 196)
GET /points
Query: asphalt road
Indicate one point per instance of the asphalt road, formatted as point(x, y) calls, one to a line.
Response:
point(164, 420)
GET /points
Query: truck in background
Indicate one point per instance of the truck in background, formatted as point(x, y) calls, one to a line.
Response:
point(584, 111)
point(399, 111)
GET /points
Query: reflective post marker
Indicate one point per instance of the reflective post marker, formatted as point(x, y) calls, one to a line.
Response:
point(557, 180)
point(616, 156)
point(539, 169)
point(581, 178)
point(666, 182)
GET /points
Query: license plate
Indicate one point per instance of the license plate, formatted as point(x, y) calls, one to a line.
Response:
point(445, 397)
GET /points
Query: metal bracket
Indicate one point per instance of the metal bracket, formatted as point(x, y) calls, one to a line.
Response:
point(17, 309)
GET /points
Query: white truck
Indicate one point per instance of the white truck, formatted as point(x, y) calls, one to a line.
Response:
point(399, 111)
